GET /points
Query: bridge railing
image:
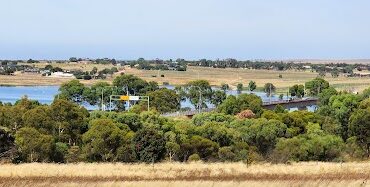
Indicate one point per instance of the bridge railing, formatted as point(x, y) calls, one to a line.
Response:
point(194, 112)
point(288, 101)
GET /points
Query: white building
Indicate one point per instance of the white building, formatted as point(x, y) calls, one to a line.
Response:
point(62, 75)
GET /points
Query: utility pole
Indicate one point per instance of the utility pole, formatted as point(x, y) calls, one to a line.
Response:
point(270, 92)
point(200, 99)
point(102, 99)
point(128, 102)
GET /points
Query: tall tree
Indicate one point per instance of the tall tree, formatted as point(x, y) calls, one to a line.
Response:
point(72, 91)
point(34, 146)
point(297, 91)
point(199, 92)
point(218, 97)
point(239, 88)
point(70, 119)
point(164, 100)
point(149, 145)
point(225, 87)
point(102, 140)
point(135, 85)
point(359, 126)
point(252, 86)
point(316, 86)
point(269, 89)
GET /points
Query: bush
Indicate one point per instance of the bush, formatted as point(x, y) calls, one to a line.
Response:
point(246, 114)
point(149, 145)
point(193, 158)
point(226, 154)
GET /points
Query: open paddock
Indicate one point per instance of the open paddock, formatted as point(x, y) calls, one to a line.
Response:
point(186, 174)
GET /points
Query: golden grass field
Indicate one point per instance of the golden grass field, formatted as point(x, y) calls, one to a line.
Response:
point(215, 76)
point(189, 174)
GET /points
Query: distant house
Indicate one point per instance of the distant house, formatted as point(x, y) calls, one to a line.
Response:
point(31, 70)
point(62, 75)
point(361, 74)
point(307, 67)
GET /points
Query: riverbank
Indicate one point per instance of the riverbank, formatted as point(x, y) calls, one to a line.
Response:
point(215, 76)
point(187, 174)
point(29, 79)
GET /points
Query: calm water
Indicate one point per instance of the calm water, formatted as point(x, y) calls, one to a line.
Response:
point(45, 94)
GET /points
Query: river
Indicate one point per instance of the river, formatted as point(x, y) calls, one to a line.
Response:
point(45, 94)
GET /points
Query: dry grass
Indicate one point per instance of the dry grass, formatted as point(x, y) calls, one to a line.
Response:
point(85, 66)
point(193, 174)
point(233, 76)
point(215, 76)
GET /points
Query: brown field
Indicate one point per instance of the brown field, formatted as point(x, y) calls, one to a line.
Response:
point(234, 76)
point(216, 77)
point(190, 174)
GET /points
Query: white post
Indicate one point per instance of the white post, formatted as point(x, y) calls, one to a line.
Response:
point(110, 103)
point(270, 92)
point(102, 98)
point(128, 101)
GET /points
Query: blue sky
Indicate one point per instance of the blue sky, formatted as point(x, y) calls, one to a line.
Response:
point(192, 29)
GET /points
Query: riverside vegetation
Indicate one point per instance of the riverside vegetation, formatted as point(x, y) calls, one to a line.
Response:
point(240, 130)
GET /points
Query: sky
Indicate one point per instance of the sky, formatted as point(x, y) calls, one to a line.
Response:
point(190, 29)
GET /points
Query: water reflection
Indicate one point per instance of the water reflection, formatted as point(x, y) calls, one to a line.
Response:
point(45, 95)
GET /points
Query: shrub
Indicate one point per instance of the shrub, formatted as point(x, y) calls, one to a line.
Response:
point(193, 158)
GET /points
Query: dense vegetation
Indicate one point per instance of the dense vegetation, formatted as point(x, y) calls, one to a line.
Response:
point(239, 130)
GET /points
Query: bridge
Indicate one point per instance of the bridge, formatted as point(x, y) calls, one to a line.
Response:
point(301, 104)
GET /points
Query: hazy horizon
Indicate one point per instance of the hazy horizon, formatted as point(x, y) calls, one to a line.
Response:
point(211, 29)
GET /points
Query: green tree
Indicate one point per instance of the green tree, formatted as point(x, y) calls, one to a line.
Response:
point(218, 132)
point(94, 71)
point(98, 92)
point(102, 140)
point(334, 73)
point(225, 87)
point(149, 145)
point(70, 120)
point(172, 148)
point(6, 141)
point(131, 119)
point(218, 97)
point(133, 84)
point(297, 91)
point(269, 89)
point(226, 154)
point(72, 91)
point(59, 152)
point(233, 105)
point(201, 118)
point(199, 92)
point(33, 146)
point(252, 86)
point(239, 87)
point(73, 59)
point(11, 116)
point(203, 147)
point(263, 133)
point(164, 100)
point(340, 107)
point(316, 86)
point(314, 145)
point(325, 95)
point(359, 126)
point(40, 119)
